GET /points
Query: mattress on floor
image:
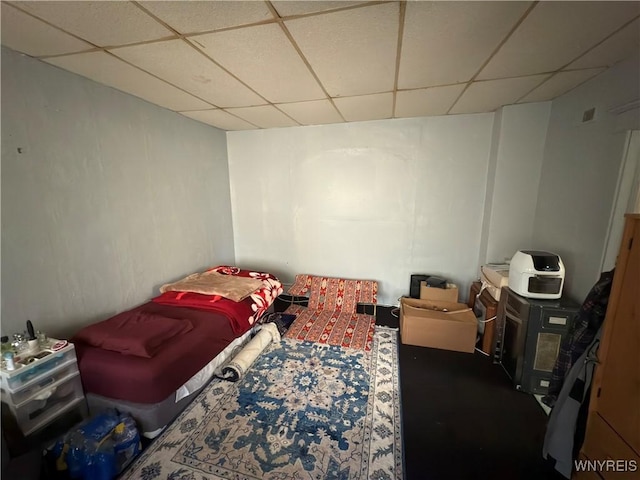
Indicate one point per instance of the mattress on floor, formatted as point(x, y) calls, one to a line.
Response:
point(151, 418)
point(151, 380)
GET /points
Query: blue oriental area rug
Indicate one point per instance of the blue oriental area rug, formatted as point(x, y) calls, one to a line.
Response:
point(302, 411)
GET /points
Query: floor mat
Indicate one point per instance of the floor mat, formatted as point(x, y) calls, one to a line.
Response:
point(303, 410)
point(343, 329)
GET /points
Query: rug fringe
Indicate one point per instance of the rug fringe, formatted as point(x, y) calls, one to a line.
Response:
point(384, 327)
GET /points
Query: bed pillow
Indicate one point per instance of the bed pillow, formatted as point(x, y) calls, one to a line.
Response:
point(140, 334)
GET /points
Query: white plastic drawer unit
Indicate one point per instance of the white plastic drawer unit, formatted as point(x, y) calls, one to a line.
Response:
point(39, 383)
point(42, 387)
point(48, 403)
point(31, 368)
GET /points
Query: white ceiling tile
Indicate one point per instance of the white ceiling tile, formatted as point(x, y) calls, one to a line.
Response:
point(312, 113)
point(219, 119)
point(265, 116)
point(351, 51)
point(427, 101)
point(181, 65)
point(42, 39)
point(559, 84)
point(447, 42)
point(102, 23)
point(287, 8)
point(108, 70)
point(555, 33)
point(276, 70)
point(620, 46)
point(489, 95)
point(201, 16)
point(237, 54)
point(366, 107)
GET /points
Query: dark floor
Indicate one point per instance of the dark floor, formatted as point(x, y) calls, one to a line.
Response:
point(463, 419)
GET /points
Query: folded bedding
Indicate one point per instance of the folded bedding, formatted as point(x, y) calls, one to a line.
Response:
point(233, 287)
point(135, 333)
point(242, 314)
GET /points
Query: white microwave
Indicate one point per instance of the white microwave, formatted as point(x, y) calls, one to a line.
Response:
point(536, 274)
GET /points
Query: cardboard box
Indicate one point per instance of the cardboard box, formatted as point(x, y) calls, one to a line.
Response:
point(445, 325)
point(490, 287)
point(497, 275)
point(449, 294)
point(494, 277)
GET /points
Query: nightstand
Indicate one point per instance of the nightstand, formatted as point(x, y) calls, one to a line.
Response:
point(44, 385)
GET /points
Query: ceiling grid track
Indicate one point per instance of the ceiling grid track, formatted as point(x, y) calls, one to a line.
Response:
point(303, 58)
point(455, 57)
point(191, 42)
point(402, 13)
point(563, 68)
point(494, 52)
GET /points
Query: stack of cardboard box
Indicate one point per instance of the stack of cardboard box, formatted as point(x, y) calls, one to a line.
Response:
point(437, 320)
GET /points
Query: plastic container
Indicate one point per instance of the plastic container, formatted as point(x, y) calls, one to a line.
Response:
point(76, 456)
point(99, 459)
point(5, 346)
point(104, 464)
point(31, 368)
point(99, 448)
point(89, 458)
point(32, 388)
point(100, 426)
point(126, 442)
point(8, 361)
point(58, 455)
point(48, 403)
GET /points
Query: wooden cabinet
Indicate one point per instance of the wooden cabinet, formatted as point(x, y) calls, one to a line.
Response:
point(613, 423)
point(485, 307)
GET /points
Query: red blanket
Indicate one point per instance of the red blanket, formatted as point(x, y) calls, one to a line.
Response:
point(243, 314)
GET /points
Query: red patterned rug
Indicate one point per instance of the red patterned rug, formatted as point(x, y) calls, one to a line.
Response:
point(344, 329)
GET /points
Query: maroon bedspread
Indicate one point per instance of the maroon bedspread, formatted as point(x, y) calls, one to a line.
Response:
point(150, 380)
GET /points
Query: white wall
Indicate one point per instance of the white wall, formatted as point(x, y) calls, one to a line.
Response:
point(580, 173)
point(626, 199)
point(104, 198)
point(379, 200)
point(386, 199)
point(111, 196)
point(518, 157)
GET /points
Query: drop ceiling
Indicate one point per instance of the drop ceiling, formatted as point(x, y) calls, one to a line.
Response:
point(241, 65)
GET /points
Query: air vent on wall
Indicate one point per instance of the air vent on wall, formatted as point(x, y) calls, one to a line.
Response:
point(589, 115)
